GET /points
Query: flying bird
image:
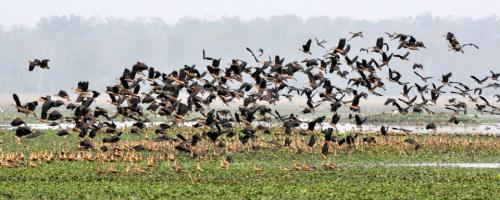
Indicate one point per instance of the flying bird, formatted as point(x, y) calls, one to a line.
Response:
point(43, 64)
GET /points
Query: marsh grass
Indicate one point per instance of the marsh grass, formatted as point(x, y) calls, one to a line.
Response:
point(361, 172)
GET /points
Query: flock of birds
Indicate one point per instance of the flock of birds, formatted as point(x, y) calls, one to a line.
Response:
point(143, 91)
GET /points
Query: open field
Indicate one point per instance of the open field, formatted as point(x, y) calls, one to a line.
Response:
point(257, 169)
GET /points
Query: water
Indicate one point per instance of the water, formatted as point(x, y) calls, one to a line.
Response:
point(456, 165)
point(482, 129)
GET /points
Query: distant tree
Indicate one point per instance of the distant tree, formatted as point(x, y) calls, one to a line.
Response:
point(97, 49)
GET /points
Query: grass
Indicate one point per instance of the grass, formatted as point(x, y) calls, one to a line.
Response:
point(360, 172)
point(353, 182)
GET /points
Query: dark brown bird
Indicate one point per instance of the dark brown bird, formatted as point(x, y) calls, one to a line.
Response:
point(17, 122)
point(43, 64)
point(27, 108)
point(356, 34)
point(307, 47)
point(431, 126)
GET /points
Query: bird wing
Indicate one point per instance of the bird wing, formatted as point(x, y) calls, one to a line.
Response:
point(151, 73)
point(341, 43)
point(319, 43)
point(32, 66)
point(380, 42)
point(484, 99)
point(475, 78)
point(308, 43)
point(470, 44)
point(16, 99)
point(253, 55)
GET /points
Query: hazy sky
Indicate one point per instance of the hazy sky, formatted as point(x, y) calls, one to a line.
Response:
point(29, 11)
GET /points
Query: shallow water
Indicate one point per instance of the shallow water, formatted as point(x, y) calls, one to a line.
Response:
point(482, 129)
point(42, 126)
point(485, 129)
point(457, 165)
